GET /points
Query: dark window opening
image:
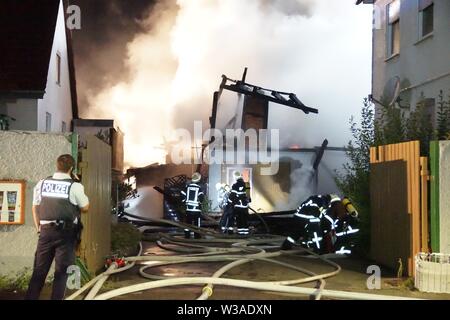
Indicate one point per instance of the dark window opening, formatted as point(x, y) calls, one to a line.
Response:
point(58, 69)
point(427, 20)
point(256, 113)
point(393, 28)
point(48, 122)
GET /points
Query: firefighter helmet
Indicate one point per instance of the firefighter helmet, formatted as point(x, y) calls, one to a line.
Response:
point(237, 175)
point(196, 177)
point(334, 198)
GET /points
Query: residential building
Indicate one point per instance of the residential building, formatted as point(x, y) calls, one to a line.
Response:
point(37, 76)
point(411, 48)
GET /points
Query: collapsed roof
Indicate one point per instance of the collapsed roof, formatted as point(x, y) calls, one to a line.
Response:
point(283, 98)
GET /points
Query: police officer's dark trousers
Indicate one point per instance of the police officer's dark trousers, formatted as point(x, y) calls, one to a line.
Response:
point(54, 243)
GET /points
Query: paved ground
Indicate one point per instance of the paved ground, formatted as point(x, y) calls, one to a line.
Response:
point(353, 277)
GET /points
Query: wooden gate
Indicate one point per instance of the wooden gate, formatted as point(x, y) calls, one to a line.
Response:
point(399, 204)
point(95, 169)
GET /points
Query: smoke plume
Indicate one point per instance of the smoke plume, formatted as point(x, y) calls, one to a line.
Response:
point(161, 74)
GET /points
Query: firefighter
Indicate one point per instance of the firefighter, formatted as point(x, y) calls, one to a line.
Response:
point(226, 222)
point(58, 202)
point(193, 198)
point(345, 227)
point(239, 200)
point(308, 222)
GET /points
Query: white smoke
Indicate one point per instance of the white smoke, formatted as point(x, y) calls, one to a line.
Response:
point(318, 49)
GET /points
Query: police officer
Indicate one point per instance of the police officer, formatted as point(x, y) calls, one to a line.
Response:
point(57, 204)
point(239, 200)
point(193, 198)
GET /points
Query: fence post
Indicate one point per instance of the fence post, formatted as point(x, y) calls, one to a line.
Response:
point(434, 196)
point(424, 177)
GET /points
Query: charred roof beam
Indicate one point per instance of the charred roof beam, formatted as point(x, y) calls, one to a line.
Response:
point(275, 97)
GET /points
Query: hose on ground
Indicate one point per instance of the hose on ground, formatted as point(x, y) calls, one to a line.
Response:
point(217, 247)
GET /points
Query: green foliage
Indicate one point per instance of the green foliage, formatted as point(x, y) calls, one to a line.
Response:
point(125, 239)
point(16, 282)
point(390, 126)
point(419, 126)
point(409, 284)
point(443, 117)
point(126, 192)
point(354, 178)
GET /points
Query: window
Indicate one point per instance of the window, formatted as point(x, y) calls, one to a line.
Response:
point(48, 122)
point(63, 127)
point(393, 28)
point(58, 69)
point(426, 17)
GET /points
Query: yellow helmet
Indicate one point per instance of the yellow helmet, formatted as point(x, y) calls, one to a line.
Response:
point(349, 207)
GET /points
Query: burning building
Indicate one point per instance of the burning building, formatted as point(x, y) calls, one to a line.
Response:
point(300, 170)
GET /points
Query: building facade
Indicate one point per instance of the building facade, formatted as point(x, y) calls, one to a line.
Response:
point(411, 48)
point(37, 81)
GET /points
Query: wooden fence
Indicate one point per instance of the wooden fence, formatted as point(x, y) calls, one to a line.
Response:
point(399, 204)
point(95, 167)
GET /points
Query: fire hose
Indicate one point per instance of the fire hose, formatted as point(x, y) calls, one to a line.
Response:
point(242, 251)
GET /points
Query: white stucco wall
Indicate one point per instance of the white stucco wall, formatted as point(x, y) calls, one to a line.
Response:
point(23, 110)
point(31, 157)
point(420, 59)
point(444, 196)
point(57, 99)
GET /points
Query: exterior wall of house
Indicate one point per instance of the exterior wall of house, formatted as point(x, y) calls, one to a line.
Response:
point(23, 110)
point(57, 99)
point(30, 157)
point(422, 63)
point(30, 114)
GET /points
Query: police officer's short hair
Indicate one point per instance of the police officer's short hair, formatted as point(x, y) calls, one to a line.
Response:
point(65, 162)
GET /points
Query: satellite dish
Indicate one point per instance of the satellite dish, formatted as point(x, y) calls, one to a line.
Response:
point(392, 91)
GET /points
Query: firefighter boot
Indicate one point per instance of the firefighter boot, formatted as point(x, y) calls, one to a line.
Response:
point(287, 245)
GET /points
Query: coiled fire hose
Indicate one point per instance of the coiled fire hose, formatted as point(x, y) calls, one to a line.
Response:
point(241, 251)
